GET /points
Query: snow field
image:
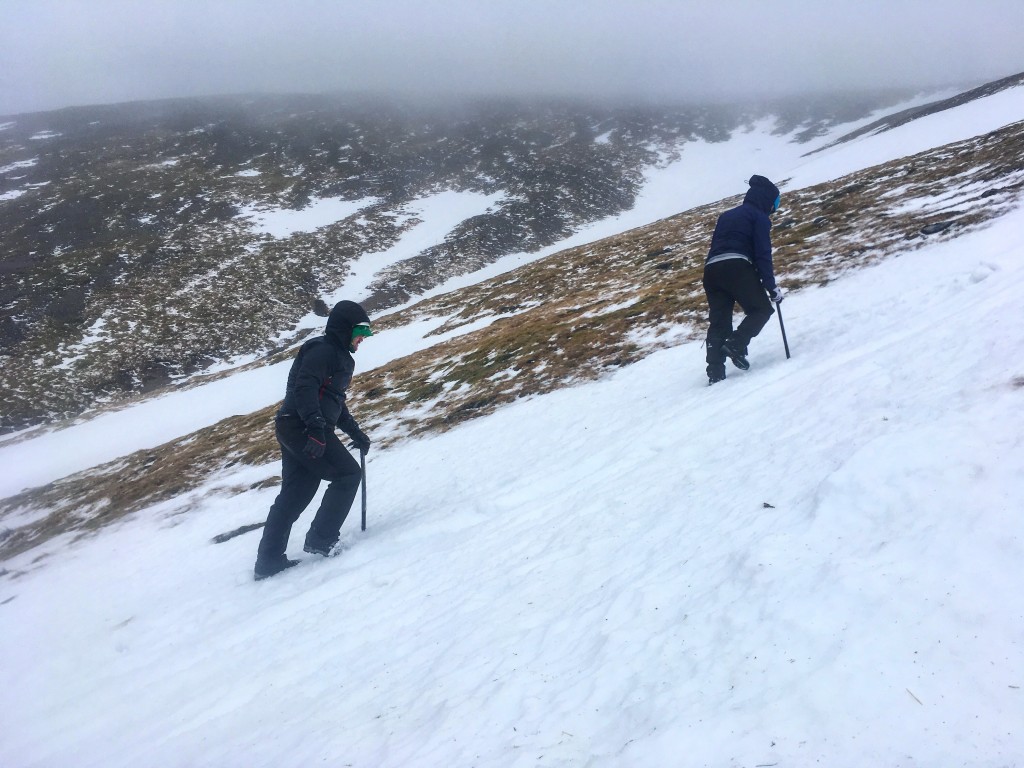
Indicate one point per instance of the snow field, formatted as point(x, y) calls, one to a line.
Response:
point(591, 578)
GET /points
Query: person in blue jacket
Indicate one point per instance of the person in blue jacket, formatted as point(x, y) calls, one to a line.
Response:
point(738, 270)
point(314, 404)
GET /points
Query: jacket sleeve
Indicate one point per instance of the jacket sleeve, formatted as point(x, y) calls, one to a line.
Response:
point(763, 251)
point(346, 422)
point(313, 374)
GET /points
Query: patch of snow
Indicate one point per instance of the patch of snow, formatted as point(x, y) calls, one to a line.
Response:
point(956, 196)
point(19, 164)
point(606, 310)
point(94, 334)
point(439, 214)
point(321, 212)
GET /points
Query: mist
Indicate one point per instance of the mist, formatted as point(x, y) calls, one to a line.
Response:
point(59, 53)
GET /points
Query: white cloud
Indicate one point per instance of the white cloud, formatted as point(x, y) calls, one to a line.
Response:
point(60, 52)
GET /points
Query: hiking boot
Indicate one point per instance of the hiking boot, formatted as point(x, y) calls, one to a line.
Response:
point(316, 545)
point(736, 353)
point(266, 570)
point(715, 378)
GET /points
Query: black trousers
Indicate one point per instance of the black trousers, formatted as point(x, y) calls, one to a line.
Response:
point(300, 480)
point(728, 283)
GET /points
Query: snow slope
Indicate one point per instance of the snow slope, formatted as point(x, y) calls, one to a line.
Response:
point(816, 562)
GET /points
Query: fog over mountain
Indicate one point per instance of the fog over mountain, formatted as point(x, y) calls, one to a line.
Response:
point(57, 53)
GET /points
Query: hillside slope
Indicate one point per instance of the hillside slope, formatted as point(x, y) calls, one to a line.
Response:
point(815, 562)
point(577, 552)
point(560, 320)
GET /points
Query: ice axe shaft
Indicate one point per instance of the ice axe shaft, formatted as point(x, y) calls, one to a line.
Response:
point(362, 467)
point(782, 327)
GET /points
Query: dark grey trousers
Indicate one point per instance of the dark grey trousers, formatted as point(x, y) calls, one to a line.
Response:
point(728, 283)
point(300, 480)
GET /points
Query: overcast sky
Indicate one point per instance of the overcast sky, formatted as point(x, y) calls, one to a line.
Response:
point(56, 53)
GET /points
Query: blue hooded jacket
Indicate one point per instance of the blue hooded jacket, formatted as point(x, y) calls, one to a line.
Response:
point(746, 229)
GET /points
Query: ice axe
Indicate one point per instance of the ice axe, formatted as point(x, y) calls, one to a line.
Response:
point(362, 467)
point(785, 343)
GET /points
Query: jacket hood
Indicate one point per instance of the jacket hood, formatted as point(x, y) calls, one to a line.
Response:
point(762, 193)
point(345, 316)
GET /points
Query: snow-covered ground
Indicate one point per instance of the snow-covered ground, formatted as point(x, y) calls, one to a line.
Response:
point(816, 562)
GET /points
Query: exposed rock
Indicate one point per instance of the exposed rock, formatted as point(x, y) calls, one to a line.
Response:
point(68, 307)
point(934, 229)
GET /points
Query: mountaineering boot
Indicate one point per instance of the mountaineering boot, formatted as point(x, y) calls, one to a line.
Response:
point(736, 353)
point(317, 545)
point(264, 570)
point(716, 373)
point(715, 358)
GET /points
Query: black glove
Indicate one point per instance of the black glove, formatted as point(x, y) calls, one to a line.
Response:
point(316, 442)
point(776, 294)
point(359, 439)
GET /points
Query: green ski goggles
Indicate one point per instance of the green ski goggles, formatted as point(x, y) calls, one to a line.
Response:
point(363, 329)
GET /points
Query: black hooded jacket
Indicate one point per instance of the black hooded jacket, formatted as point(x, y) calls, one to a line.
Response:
point(322, 371)
point(746, 229)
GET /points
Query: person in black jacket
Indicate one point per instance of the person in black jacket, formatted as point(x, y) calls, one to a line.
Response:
point(739, 270)
point(314, 404)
